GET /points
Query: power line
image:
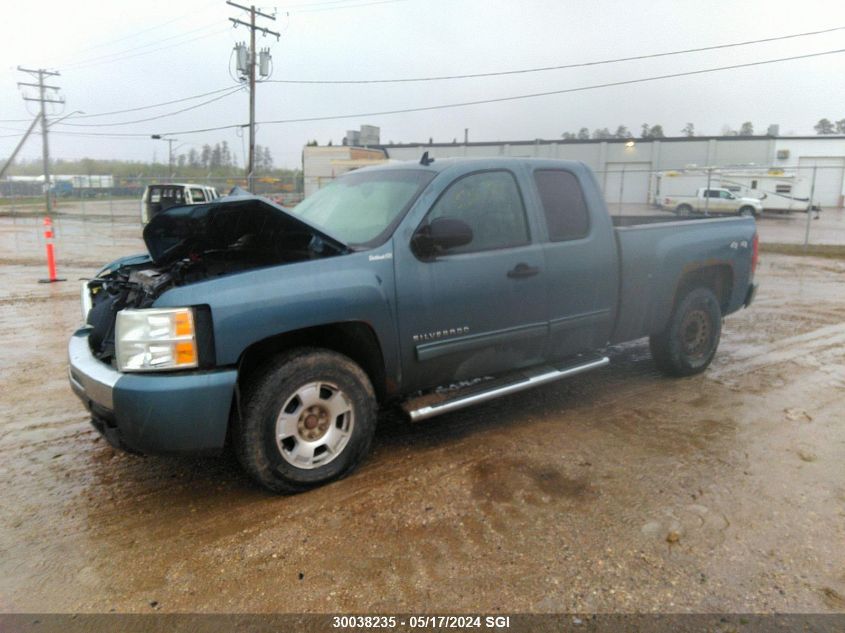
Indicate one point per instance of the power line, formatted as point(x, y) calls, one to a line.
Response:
point(146, 107)
point(477, 102)
point(530, 70)
point(135, 34)
point(347, 6)
point(141, 54)
point(560, 67)
point(160, 116)
point(309, 5)
point(105, 56)
point(155, 105)
point(525, 96)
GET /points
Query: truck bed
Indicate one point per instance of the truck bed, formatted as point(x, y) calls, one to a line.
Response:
point(656, 251)
point(639, 220)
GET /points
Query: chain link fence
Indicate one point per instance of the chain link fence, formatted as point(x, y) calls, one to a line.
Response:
point(93, 223)
point(799, 206)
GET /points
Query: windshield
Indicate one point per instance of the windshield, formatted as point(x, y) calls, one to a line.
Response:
point(361, 207)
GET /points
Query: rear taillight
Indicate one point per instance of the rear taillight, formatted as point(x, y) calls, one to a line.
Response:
point(755, 252)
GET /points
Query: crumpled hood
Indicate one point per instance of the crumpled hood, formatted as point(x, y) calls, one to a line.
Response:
point(181, 231)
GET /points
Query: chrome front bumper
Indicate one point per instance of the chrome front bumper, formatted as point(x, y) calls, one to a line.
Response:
point(90, 379)
point(184, 412)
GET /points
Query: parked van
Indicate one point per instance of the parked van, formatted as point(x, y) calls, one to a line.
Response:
point(158, 198)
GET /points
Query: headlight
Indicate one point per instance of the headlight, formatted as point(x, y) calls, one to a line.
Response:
point(86, 301)
point(156, 339)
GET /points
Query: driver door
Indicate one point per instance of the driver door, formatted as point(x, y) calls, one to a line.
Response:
point(476, 309)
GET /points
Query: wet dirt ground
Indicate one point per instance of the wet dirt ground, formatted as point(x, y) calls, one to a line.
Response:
point(618, 490)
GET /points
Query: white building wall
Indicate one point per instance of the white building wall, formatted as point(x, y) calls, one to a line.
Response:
point(827, 154)
point(657, 155)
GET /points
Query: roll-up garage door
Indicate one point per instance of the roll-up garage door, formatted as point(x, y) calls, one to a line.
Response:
point(829, 175)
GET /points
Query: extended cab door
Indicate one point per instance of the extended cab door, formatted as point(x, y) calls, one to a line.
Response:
point(714, 201)
point(476, 309)
point(581, 261)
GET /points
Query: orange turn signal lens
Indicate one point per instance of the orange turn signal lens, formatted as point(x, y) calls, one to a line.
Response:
point(186, 353)
point(184, 323)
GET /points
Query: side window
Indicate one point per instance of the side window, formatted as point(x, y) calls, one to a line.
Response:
point(563, 205)
point(491, 204)
point(726, 195)
point(197, 195)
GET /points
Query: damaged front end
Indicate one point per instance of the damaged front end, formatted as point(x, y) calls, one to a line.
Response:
point(191, 244)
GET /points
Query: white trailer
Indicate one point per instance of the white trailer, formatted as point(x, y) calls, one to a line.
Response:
point(777, 189)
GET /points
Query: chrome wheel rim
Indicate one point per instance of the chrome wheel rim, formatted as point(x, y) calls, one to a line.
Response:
point(314, 425)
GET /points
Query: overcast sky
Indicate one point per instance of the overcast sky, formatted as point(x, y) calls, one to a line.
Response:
point(119, 55)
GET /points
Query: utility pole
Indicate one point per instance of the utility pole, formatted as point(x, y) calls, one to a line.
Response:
point(159, 137)
point(42, 99)
point(11, 158)
point(248, 74)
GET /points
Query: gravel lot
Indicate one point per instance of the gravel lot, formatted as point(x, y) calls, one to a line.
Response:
point(618, 490)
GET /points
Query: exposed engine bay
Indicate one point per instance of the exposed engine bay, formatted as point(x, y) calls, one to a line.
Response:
point(188, 245)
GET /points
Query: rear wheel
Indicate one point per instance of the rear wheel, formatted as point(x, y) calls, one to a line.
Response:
point(687, 344)
point(308, 418)
point(683, 210)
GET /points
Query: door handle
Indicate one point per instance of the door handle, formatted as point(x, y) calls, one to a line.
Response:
point(523, 270)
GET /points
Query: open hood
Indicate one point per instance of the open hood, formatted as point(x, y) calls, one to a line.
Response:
point(234, 222)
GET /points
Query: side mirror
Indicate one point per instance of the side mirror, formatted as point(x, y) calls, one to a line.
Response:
point(441, 234)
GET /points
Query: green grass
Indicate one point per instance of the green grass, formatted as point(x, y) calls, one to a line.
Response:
point(8, 202)
point(828, 251)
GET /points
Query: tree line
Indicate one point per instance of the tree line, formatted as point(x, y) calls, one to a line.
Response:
point(650, 131)
point(824, 126)
point(220, 156)
point(215, 161)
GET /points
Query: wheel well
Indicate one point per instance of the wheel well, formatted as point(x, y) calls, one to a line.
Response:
point(354, 339)
point(718, 278)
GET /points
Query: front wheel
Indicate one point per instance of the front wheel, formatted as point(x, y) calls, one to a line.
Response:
point(308, 417)
point(689, 341)
point(747, 211)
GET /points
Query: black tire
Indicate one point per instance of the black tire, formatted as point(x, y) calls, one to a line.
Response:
point(689, 341)
point(748, 211)
point(683, 210)
point(273, 401)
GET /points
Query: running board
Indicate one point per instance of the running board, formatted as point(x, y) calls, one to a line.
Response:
point(422, 408)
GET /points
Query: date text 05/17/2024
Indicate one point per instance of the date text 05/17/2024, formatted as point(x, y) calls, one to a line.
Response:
point(421, 622)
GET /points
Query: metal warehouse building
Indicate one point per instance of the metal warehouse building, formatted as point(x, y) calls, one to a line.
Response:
point(628, 165)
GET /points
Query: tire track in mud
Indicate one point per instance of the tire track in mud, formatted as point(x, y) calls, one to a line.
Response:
point(827, 341)
point(539, 501)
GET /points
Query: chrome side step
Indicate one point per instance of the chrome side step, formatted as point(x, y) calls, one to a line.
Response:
point(520, 381)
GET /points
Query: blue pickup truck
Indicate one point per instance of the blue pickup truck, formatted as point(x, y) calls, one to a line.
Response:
point(430, 285)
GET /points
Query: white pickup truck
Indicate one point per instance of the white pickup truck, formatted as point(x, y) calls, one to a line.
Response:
point(713, 200)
